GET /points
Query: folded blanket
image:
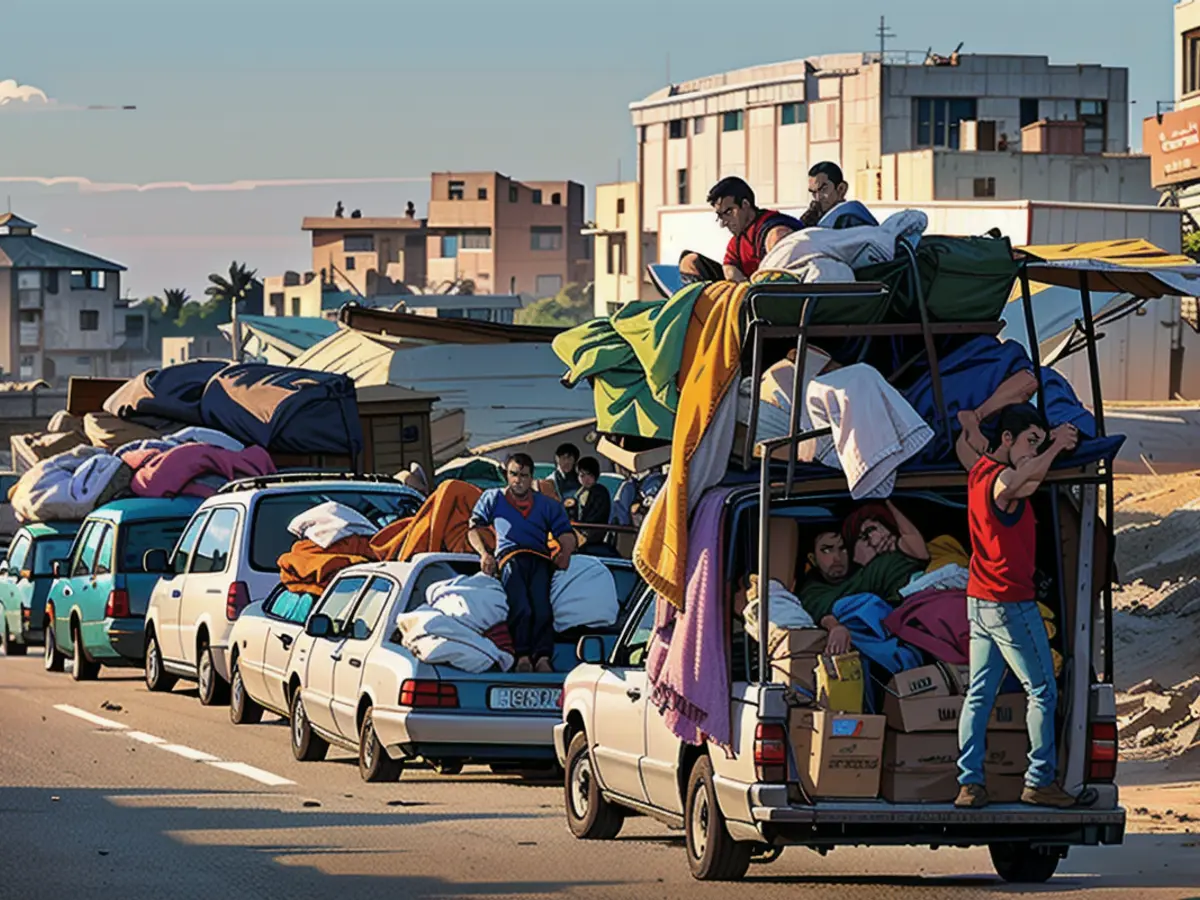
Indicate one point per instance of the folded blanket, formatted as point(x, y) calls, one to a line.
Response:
point(308, 568)
point(478, 601)
point(108, 432)
point(179, 470)
point(69, 486)
point(330, 522)
point(786, 612)
point(439, 526)
point(584, 595)
point(438, 639)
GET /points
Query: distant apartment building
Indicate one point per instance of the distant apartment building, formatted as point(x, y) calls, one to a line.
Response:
point(61, 312)
point(506, 236)
point(499, 309)
point(354, 253)
point(1172, 136)
point(619, 258)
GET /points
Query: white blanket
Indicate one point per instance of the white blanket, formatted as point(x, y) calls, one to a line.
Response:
point(875, 430)
point(441, 640)
point(775, 401)
point(584, 595)
point(786, 612)
point(329, 523)
point(478, 601)
point(948, 577)
point(863, 245)
point(66, 487)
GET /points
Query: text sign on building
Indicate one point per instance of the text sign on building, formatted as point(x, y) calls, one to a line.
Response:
point(1174, 147)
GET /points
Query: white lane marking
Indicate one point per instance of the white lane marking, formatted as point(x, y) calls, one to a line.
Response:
point(188, 753)
point(144, 738)
point(260, 775)
point(88, 717)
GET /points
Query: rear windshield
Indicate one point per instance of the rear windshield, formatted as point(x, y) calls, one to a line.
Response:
point(47, 550)
point(270, 539)
point(137, 538)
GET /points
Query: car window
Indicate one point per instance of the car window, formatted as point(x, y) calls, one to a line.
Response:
point(138, 539)
point(338, 599)
point(291, 606)
point(104, 555)
point(270, 539)
point(183, 552)
point(46, 551)
point(366, 615)
point(85, 549)
point(212, 550)
point(17, 553)
point(632, 652)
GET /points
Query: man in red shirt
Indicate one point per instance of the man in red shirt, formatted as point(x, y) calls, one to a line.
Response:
point(755, 231)
point(1006, 626)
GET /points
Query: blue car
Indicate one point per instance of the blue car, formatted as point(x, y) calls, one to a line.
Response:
point(25, 578)
point(97, 604)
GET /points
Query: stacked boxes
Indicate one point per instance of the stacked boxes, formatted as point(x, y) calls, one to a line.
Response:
point(838, 754)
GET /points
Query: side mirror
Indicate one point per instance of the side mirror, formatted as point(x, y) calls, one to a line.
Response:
point(319, 626)
point(590, 649)
point(155, 562)
point(59, 569)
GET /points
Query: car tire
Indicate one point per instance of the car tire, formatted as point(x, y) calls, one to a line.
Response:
point(307, 746)
point(374, 764)
point(157, 678)
point(242, 708)
point(713, 854)
point(82, 668)
point(589, 816)
point(1019, 863)
point(52, 659)
point(213, 690)
point(10, 647)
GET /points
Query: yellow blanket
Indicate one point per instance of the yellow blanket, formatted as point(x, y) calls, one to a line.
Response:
point(711, 363)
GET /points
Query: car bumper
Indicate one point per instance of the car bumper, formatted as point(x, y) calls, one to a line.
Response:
point(560, 743)
point(127, 640)
point(406, 732)
point(220, 657)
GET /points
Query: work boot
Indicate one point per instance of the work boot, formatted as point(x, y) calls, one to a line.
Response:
point(544, 665)
point(972, 796)
point(1051, 795)
point(523, 665)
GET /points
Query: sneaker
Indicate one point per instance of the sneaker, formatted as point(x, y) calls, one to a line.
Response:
point(523, 665)
point(972, 796)
point(543, 665)
point(1051, 795)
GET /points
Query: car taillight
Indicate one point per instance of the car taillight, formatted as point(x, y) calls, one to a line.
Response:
point(117, 606)
point(436, 694)
point(1102, 752)
point(236, 600)
point(770, 753)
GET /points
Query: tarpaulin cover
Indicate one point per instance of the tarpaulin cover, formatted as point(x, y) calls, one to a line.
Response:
point(171, 393)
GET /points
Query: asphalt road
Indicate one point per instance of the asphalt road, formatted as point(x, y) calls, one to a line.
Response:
point(107, 790)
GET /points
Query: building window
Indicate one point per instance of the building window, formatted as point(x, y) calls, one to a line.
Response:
point(350, 263)
point(513, 194)
point(1029, 110)
point(52, 281)
point(477, 240)
point(295, 306)
point(1094, 116)
point(733, 121)
point(88, 280)
point(677, 129)
point(27, 363)
point(277, 301)
point(135, 327)
point(620, 206)
point(89, 320)
point(359, 243)
point(545, 237)
point(456, 190)
point(616, 255)
point(642, 134)
point(985, 187)
point(480, 315)
point(449, 246)
point(451, 314)
point(537, 197)
point(681, 187)
point(482, 193)
point(548, 285)
point(698, 125)
point(84, 361)
point(793, 114)
point(938, 120)
point(556, 199)
point(1191, 61)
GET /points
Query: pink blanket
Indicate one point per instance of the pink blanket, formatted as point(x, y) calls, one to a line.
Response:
point(688, 661)
point(934, 621)
point(193, 469)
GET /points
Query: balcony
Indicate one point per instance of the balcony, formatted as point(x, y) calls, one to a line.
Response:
point(31, 335)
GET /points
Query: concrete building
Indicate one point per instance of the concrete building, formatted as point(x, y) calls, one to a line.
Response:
point(1172, 138)
point(356, 253)
point(620, 260)
point(499, 309)
point(60, 312)
point(506, 236)
point(181, 349)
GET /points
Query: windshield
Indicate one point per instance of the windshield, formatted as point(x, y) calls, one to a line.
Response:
point(136, 539)
point(270, 537)
point(47, 550)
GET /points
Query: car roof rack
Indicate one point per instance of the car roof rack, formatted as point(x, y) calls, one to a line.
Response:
point(259, 482)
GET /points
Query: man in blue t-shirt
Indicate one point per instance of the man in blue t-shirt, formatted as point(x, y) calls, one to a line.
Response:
point(524, 520)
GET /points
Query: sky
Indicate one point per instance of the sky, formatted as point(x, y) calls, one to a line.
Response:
point(307, 96)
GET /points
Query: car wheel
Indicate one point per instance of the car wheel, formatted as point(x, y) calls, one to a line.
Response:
point(589, 816)
point(713, 854)
point(82, 668)
point(157, 678)
point(213, 689)
point(52, 660)
point(374, 764)
point(1020, 863)
point(242, 709)
point(10, 647)
point(306, 745)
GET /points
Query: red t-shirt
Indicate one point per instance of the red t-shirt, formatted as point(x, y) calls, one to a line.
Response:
point(1003, 545)
point(746, 250)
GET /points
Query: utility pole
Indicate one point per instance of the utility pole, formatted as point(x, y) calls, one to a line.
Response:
point(883, 34)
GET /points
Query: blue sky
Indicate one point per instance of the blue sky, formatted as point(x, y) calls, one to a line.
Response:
point(297, 89)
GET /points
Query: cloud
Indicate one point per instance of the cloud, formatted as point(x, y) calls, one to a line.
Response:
point(12, 94)
point(87, 186)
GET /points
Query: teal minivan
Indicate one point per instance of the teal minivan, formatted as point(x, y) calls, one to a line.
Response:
point(96, 609)
point(25, 577)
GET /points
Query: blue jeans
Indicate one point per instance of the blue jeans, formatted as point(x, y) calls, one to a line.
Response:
point(1008, 635)
point(526, 579)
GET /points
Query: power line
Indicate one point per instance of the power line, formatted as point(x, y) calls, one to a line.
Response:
point(883, 34)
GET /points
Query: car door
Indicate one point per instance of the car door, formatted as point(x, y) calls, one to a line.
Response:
point(76, 589)
point(619, 741)
point(10, 584)
point(323, 654)
point(168, 593)
point(285, 615)
point(348, 668)
point(98, 588)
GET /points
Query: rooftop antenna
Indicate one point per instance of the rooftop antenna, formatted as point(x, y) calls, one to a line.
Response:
point(668, 69)
point(883, 34)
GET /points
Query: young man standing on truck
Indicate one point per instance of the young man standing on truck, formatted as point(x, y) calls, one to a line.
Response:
point(523, 520)
point(1006, 626)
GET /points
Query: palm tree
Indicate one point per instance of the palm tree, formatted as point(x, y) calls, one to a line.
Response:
point(233, 290)
point(174, 299)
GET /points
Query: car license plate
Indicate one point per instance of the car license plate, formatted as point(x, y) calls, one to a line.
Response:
point(534, 699)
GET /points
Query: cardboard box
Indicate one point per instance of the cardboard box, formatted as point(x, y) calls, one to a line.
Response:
point(794, 659)
point(1004, 788)
point(1007, 753)
point(843, 752)
point(922, 713)
point(933, 786)
point(924, 681)
point(640, 461)
point(920, 751)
